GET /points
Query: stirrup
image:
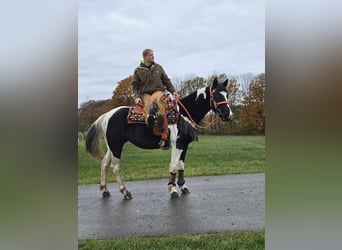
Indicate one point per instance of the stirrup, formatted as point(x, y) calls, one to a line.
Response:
point(164, 144)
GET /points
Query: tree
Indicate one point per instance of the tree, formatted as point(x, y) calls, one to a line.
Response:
point(123, 93)
point(192, 85)
point(244, 81)
point(253, 112)
point(89, 111)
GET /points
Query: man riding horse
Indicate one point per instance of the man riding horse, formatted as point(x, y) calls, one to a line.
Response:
point(149, 83)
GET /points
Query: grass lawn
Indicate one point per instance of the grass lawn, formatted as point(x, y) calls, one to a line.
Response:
point(232, 240)
point(211, 155)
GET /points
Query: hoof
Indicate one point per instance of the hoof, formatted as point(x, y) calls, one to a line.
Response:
point(106, 194)
point(128, 195)
point(185, 190)
point(174, 195)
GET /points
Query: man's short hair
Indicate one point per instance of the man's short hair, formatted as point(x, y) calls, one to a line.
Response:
point(146, 51)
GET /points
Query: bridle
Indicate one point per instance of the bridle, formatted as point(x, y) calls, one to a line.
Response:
point(213, 103)
point(213, 106)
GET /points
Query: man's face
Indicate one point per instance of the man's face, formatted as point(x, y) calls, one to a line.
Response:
point(149, 58)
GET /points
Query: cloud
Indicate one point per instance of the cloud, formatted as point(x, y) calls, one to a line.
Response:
point(193, 36)
point(127, 21)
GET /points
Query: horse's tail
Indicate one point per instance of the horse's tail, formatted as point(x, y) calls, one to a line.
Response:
point(94, 134)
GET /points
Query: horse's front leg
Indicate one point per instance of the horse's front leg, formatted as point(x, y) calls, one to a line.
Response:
point(181, 180)
point(104, 166)
point(175, 155)
point(115, 164)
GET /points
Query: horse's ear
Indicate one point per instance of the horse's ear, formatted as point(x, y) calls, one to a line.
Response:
point(215, 83)
point(225, 83)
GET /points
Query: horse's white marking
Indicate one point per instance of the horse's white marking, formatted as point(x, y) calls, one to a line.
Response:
point(115, 164)
point(107, 116)
point(175, 153)
point(230, 110)
point(172, 188)
point(104, 166)
point(173, 133)
point(225, 98)
point(201, 92)
point(181, 165)
point(224, 95)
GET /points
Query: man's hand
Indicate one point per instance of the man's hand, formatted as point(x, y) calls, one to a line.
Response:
point(175, 94)
point(138, 100)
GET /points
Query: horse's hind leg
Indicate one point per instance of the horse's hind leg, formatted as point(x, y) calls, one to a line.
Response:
point(104, 166)
point(115, 164)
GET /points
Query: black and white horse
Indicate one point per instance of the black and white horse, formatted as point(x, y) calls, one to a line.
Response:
point(113, 126)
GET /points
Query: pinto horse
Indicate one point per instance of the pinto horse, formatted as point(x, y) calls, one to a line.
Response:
point(114, 127)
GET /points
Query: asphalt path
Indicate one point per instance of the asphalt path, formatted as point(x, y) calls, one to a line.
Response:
point(215, 204)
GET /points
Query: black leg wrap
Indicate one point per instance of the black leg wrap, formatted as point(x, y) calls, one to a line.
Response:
point(106, 194)
point(181, 180)
point(172, 179)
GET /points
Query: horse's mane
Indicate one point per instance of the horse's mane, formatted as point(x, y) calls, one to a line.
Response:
point(196, 107)
point(190, 97)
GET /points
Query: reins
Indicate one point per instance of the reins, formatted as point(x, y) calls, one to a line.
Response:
point(192, 120)
point(208, 124)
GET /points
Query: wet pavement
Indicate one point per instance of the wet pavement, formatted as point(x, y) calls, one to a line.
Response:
point(215, 204)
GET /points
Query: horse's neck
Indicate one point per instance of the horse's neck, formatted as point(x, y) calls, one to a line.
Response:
point(197, 109)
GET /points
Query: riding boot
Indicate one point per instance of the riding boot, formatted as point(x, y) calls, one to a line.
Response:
point(151, 118)
point(165, 141)
point(160, 123)
point(164, 144)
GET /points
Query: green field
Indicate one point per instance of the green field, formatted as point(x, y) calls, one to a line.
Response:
point(220, 241)
point(211, 155)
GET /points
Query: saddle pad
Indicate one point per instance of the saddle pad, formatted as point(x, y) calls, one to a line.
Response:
point(135, 115)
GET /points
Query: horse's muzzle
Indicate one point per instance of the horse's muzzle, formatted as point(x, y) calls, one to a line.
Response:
point(227, 117)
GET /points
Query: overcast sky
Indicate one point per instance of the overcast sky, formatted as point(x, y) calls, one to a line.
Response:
point(197, 37)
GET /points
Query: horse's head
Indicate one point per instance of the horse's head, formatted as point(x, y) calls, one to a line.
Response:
point(219, 100)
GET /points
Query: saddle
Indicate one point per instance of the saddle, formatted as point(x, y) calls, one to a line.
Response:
point(136, 113)
point(170, 114)
point(166, 113)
